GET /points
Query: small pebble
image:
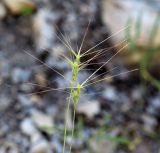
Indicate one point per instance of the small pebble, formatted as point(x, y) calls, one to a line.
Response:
point(44, 32)
point(88, 108)
point(20, 75)
point(28, 127)
point(43, 121)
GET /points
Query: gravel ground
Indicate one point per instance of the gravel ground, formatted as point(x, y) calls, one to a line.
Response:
point(112, 111)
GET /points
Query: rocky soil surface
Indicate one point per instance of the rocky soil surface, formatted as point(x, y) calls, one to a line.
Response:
point(113, 116)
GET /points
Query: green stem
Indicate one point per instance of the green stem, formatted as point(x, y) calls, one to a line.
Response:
point(73, 125)
point(65, 128)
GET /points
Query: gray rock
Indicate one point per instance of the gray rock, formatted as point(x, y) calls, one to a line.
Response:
point(43, 121)
point(24, 100)
point(103, 146)
point(136, 94)
point(39, 144)
point(42, 146)
point(116, 14)
point(57, 60)
point(20, 75)
point(26, 87)
point(44, 31)
point(64, 82)
point(5, 101)
point(110, 93)
point(4, 66)
point(118, 97)
point(149, 123)
point(89, 108)
point(28, 127)
point(16, 142)
point(57, 63)
point(83, 75)
point(58, 51)
point(143, 148)
point(55, 140)
point(154, 106)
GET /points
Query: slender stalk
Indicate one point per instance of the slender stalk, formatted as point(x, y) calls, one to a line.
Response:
point(65, 127)
point(73, 128)
point(67, 115)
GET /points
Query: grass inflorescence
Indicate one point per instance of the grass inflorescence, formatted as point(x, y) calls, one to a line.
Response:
point(76, 66)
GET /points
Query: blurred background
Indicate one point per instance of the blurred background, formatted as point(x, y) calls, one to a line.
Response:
point(120, 114)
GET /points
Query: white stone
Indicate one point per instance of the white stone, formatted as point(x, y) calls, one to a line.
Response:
point(154, 105)
point(43, 30)
point(137, 93)
point(39, 144)
point(5, 101)
point(3, 11)
point(24, 100)
point(40, 147)
point(20, 75)
point(149, 123)
point(116, 14)
point(58, 51)
point(36, 137)
point(88, 108)
point(110, 93)
point(43, 121)
point(28, 127)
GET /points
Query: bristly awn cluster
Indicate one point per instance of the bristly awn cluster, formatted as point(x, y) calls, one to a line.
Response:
point(76, 66)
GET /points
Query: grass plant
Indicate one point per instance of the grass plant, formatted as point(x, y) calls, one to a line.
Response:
point(76, 66)
point(149, 52)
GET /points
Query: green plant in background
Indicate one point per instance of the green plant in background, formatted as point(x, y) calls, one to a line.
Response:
point(27, 11)
point(149, 53)
point(102, 134)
